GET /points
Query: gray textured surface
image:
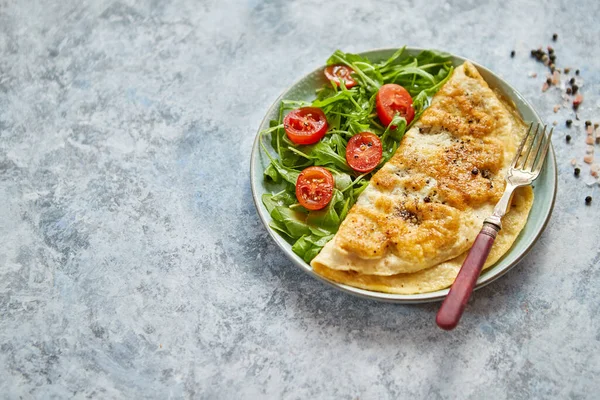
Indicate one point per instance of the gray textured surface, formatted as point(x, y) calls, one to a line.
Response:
point(133, 263)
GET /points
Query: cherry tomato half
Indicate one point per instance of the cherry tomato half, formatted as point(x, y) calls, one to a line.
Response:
point(314, 188)
point(306, 125)
point(340, 72)
point(393, 99)
point(364, 151)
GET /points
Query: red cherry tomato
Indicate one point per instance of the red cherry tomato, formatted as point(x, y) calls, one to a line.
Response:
point(306, 125)
point(340, 72)
point(393, 99)
point(314, 188)
point(363, 152)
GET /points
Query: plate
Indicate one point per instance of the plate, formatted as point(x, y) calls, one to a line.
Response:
point(544, 186)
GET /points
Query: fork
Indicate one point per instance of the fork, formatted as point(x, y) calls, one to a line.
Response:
point(524, 169)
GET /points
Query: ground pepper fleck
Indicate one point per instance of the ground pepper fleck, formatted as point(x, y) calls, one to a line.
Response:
point(576, 171)
point(512, 53)
point(575, 88)
point(568, 138)
point(569, 122)
point(588, 199)
point(555, 37)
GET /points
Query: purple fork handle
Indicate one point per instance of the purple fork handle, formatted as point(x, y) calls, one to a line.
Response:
point(454, 304)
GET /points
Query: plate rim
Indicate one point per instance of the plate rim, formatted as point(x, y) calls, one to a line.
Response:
point(418, 298)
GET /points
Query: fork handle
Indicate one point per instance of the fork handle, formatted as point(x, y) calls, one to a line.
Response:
point(454, 304)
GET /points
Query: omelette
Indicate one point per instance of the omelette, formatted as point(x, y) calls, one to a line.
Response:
point(413, 225)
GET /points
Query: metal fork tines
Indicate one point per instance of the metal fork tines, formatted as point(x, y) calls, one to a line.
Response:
point(524, 168)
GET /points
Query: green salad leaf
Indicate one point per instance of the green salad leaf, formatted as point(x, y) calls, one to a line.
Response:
point(348, 112)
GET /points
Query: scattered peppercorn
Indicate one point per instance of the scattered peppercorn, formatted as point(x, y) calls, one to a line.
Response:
point(572, 81)
point(588, 123)
point(555, 36)
point(574, 89)
point(568, 138)
point(567, 70)
point(588, 199)
point(569, 122)
point(549, 81)
point(577, 171)
point(550, 50)
point(576, 72)
point(569, 90)
point(512, 54)
point(475, 171)
point(426, 199)
point(552, 57)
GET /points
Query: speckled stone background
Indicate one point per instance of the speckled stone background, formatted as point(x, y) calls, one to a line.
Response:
point(133, 263)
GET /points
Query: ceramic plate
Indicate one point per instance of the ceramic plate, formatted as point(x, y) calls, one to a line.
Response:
point(544, 186)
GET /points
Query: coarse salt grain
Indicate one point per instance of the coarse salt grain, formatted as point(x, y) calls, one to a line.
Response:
point(556, 108)
point(545, 86)
point(555, 78)
point(589, 149)
point(589, 130)
point(533, 75)
point(589, 140)
point(574, 162)
point(588, 158)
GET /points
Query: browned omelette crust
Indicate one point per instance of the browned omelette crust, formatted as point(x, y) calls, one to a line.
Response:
point(441, 275)
point(426, 204)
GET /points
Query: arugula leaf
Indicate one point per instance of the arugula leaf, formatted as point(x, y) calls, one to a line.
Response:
point(283, 198)
point(393, 58)
point(322, 154)
point(327, 218)
point(308, 246)
point(433, 56)
point(288, 174)
point(294, 226)
point(271, 172)
point(342, 180)
point(279, 227)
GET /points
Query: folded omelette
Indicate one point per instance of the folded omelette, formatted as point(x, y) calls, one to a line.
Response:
point(412, 227)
